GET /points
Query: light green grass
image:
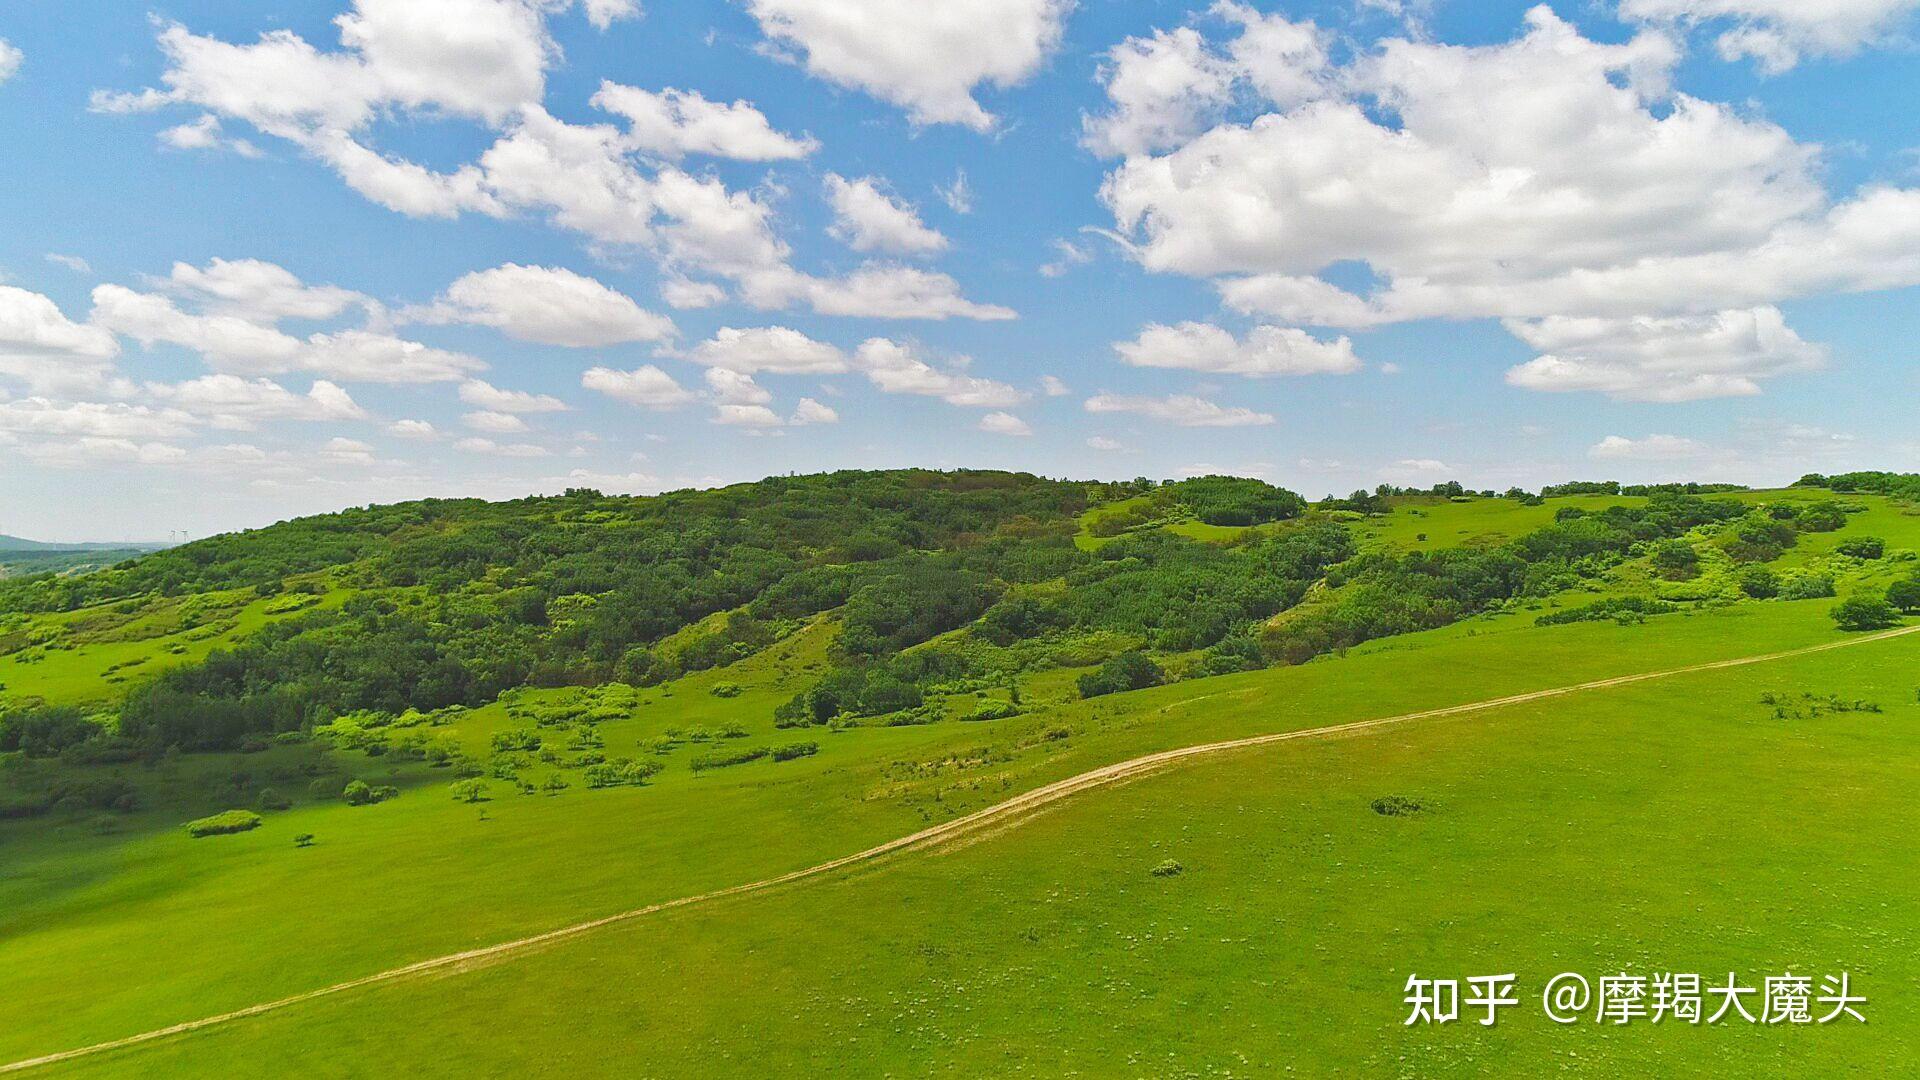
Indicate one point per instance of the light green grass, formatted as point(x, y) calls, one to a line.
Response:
point(423, 875)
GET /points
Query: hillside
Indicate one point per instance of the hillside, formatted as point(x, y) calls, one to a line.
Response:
point(493, 720)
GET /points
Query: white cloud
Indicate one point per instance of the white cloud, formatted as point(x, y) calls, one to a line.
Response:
point(109, 420)
point(1183, 410)
point(1003, 423)
point(494, 423)
point(10, 60)
point(1684, 358)
point(1550, 176)
point(547, 305)
point(895, 369)
point(868, 219)
point(236, 404)
point(412, 429)
point(686, 295)
point(1416, 471)
point(646, 386)
point(1266, 350)
point(809, 411)
point(72, 262)
point(604, 13)
point(479, 445)
point(1651, 448)
point(674, 123)
point(1053, 387)
point(1069, 255)
point(875, 291)
point(92, 452)
point(1104, 444)
point(1776, 33)
point(485, 395)
point(926, 58)
point(344, 451)
point(729, 387)
point(260, 292)
point(775, 349)
point(206, 134)
point(49, 352)
point(236, 345)
point(958, 195)
point(747, 416)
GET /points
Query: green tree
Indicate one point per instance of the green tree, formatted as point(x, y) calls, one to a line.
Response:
point(1865, 612)
point(1905, 595)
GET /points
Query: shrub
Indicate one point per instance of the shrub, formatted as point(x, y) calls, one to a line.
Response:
point(993, 710)
point(45, 731)
point(1758, 582)
point(269, 799)
point(1621, 609)
point(1170, 868)
point(227, 821)
point(720, 759)
point(1806, 587)
point(1674, 559)
point(726, 690)
point(1866, 612)
point(789, 751)
point(1124, 671)
point(360, 793)
point(555, 784)
point(509, 741)
point(470, 791)
point(1863, 547)
point(304, 839)
point(621, 772)
point(1905, 595)
point(1821, 517)
point(1396, 806)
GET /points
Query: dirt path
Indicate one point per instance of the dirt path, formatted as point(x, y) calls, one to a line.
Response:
point(995, 815)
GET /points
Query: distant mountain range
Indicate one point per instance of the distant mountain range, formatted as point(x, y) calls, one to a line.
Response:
point(20, 544)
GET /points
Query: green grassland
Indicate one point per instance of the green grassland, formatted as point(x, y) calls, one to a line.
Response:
point(1676, 823)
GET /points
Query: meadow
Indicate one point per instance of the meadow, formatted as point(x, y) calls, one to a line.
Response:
point(1663, 824)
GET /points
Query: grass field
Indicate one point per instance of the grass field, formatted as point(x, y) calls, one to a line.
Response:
point(1670, 824)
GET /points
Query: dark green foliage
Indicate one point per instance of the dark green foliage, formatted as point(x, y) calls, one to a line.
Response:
point(469, 791)
point(1397, 806)
point(1905, 595)
point(45, 730)
point(1122, 672)
point(925, 598)
point(1806, 587)
point(1758, 582)
point(1759, 538)
point(1620, 609)
point(1901, 485)
point(361, 793)
point(789, 751)
point(1865, 612)
point(1230, 500)
point(621, 772)
point(725, 690)
point(304, 839)
point(1821, 517)
point(1675, 559)
point(993, 710)
point(223, 823)
point(1863, 547)
point(516, 741)
point(269, 800)
point(720, 759)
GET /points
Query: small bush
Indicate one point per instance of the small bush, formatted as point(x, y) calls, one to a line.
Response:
point(1620, 609)
point(1170, 868)
point(726, 690)
point(1905, 595)
point(1125, 671)
point(789, 751)
point(1860, 613)
point(1806, 587)
point(470, 791)
point(227, 821)
point(720, 759)
point(269, 799)
point(304, 839)
point(621, 772)
point(993, 710)
point(1397, 806)
point(1758, 582)
point(1863, 547)
point(360, 793)
point(510, 741)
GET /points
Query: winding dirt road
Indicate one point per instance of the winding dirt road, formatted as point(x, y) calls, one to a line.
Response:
point(997, 815)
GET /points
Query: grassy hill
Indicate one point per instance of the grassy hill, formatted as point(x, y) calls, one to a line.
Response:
point(558, 710)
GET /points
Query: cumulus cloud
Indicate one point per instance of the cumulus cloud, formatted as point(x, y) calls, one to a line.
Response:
point(107, 420)
point(895, 369)
point(1104, 444)
point(809, 411)
point(481, 445)
point(10, 60)
point(730, 387)
point(1683, 358)
point(260, 292)
point(547, 305)
point(675, 123)
point(412, 429)
point(494, 423)
point(925, 58)
point(1651, 448)
point(236, 404)
point(646, 386)
point(868, 219)
point(484, 395)
point(1550, 176)
point(50, 353)
point(206, 134)
point(747, 416)
point(1776, 33)
point(1051, 386)
point(1004, 423)
point(775, 349)
point(1183, 410)
point(1266, 350)
point(875, 291)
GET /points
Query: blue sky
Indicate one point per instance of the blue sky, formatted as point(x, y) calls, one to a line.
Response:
point(489, 247)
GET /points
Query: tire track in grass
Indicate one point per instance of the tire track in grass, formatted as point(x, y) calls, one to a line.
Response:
point(1001, 813)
